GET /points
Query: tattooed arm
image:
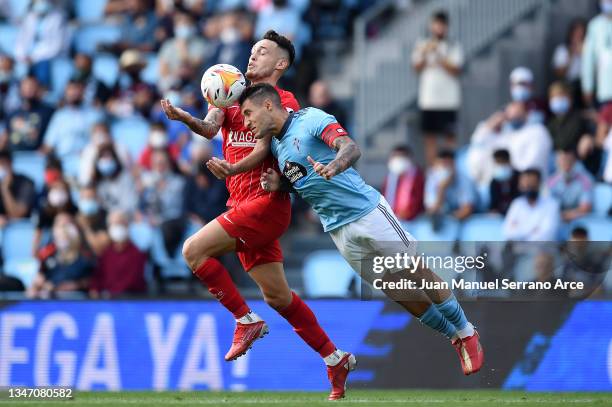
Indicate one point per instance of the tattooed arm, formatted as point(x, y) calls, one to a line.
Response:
point(348, 154)
point(207, 128)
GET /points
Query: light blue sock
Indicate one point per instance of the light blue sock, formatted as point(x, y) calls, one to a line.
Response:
point(453, 312)
point(435, 320)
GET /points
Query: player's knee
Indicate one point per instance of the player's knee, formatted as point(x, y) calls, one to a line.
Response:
point(278, 300)
point(192, 255)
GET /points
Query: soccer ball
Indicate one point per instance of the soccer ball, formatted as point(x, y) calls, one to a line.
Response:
point(222, 85)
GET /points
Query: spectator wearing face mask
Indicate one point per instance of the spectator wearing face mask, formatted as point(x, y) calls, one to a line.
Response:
point(532, 217)
point(70, 126)
point(121, 266)
point(42, 37)
point(231, 34)
point(567, 59)
point(115, 185)
point(404, 184)
point(162, 199)
point(529, 144)
point(57, 200)
point(63, 268)
point(158, 140)
point(572, 186)
point(504, 184)
point(17, 194)
point(448, 192)
point(100, 136)
point(131, 93)
point(596, 59)
point(567, 125)
point(92, 221)
point(522, 89)
point(27, 125)
point(185, 48)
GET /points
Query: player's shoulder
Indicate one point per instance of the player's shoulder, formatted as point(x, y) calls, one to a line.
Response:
point(288, 99)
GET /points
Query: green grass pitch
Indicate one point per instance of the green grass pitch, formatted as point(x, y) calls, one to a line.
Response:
point(480, 398)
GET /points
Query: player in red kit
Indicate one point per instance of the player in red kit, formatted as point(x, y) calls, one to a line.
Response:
point(254, 221)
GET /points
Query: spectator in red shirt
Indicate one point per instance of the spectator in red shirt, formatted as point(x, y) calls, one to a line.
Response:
point(404, 184)
point(121, 266)
point(158, 140)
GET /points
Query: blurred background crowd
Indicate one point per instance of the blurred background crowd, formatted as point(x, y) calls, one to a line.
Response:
point(98, 189)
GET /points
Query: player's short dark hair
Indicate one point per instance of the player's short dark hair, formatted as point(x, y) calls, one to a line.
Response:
point(283, 42)
point(259, 92)
point(402, 148)
point(446, 153)
point(6, 155)
point(580, 232)
point(502, 155)
point(440, 16)
point(533, 171)
point(569, 150)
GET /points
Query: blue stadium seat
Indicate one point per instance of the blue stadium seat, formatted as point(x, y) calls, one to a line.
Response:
point(71, 165)
point(598, 227)
point(141, 235)
point(422, 230)
point(106, 69)
point(133, 133)
point(327, 274)
point(61, 71)
point(90, 11)
point(32, 165)
point(602, 199)
point(171, 266)
point(151, 73)
point(23, 269)
point(8, 37)
point(461, 161)
point(88, 37)
point(482, 228)
point(19, 7)
point(16, 241)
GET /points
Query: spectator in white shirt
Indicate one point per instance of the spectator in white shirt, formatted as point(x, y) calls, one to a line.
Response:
point(438, 61)
point(532, 217)
point(529, 144)
point(42, 36)
point(597, 57)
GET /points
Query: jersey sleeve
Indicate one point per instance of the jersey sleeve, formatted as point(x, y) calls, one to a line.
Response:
point(289, 101)
point(324, 126)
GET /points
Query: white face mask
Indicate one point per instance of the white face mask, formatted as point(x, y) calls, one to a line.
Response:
point(118, 233)
point(57, 197)
point(158, 139)
point(399, 165)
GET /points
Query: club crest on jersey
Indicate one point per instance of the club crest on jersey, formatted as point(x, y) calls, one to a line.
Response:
point(294, 171)
point(241, 139)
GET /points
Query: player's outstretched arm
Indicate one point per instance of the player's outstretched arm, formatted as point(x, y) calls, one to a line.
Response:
point(207, 128)
point(348, 154)
point(223, 169)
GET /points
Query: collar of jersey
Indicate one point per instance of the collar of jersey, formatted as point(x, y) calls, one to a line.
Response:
point(285, 126)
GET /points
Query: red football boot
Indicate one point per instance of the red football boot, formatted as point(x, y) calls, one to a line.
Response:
point(244, 336)
point(338, 374)
point(470, 353)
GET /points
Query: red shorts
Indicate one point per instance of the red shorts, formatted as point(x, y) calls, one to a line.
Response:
point(257, 225)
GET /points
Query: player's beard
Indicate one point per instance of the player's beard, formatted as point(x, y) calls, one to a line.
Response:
point(259, 75)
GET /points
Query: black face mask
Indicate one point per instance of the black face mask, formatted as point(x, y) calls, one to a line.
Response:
point(531, 194)
point(279, 3)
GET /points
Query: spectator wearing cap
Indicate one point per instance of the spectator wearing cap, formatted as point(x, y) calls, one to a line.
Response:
point(572, 186)
point(183, 54)
point(17, 194)
point(529, 143)
point(532, 217)
point(503, 188)
point(130, 89)
point(596, 60)
point(522, 89)
point(404, 184)
point(438, 61)
point(447, 191)
point(69, 130)
point(42, 37)
point(27, 125)
point(121, 266)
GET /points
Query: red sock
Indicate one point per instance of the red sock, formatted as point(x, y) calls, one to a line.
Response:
point(305, 324)
point(220, 284)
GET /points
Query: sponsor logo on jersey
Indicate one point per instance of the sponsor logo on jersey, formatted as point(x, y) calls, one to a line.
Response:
point(241, 139)
point(294, 171)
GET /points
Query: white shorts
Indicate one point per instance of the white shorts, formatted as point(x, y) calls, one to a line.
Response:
point(379, 233)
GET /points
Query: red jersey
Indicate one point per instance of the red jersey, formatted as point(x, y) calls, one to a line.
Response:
point(238, 142)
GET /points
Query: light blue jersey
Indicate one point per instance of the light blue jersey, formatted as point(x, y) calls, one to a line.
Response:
point(341, 200)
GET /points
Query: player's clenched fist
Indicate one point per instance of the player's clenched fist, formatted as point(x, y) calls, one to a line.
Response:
point(270, 180)
point(326, 171)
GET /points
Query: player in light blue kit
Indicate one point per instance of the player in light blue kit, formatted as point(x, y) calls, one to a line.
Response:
point(315, 155)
